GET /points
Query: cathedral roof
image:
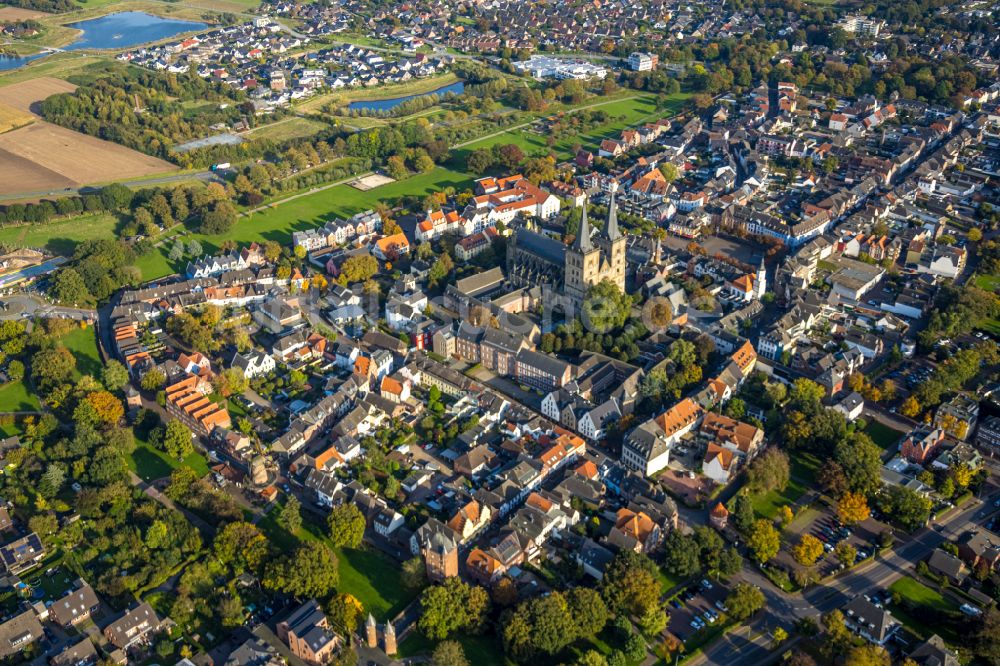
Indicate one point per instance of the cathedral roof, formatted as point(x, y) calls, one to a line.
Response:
point(542, 246)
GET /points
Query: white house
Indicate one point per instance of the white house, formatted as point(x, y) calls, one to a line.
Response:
point(254, 363)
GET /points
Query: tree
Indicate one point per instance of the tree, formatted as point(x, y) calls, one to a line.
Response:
point(630, 584)
point(831, 478)
point(681, 554)
point(107, 407)
point(906, 506)
point(730, 562)
point(743, 601)
point(546, 625)
point(911, 407)
point(974, 235)
point(414, 574)
point(176, 251)
point(808, 550)
point(231, 381)
point(452, 606)
point(986, 637)
point(290, 516)
point(449, 653)
point(763, 540)
point(780, 636)
point(769, 471)
point(309, 571)
point(345, 612)
point(153, 380)
point(742, 513)
point(785, 515)
point(867, 655)
point(69, 287)
point(846, 553)
point(347, 525)
point(52, 367)
point(177, 439)
point(852, 509)
point(194, 248)
point(114, 375)
point(861, 460)
point(241, 546)
point(15, 370)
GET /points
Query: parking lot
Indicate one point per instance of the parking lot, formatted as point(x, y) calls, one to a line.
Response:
point(696, 608)
point(822, 523)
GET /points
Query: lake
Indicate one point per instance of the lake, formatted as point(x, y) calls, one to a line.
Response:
point(125, 29)
point(385, 104)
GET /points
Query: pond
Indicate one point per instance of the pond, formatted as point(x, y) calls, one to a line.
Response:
point(125, 29)
point(385, 104)
point(13, 62)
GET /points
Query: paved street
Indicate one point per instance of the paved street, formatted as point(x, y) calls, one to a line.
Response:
point(784, 609)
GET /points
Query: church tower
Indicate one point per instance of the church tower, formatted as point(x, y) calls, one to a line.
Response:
point(583, 262)
point(761, 286)
point(612, 244)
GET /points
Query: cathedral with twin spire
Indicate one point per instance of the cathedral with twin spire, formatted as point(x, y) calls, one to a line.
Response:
point(534, 259)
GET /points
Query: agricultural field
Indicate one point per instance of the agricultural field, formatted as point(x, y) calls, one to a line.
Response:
point(19, 14)
point(12, 118)
point(46, 158)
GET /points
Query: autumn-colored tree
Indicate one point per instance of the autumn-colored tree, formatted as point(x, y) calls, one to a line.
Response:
point(808, 550)
point(852, 508)
point(764, 541)
point(108, 408)
point(785, 515)
point(910, 407)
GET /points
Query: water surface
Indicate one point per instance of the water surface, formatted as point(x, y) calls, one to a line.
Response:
point(125, 29)
point(385, 104)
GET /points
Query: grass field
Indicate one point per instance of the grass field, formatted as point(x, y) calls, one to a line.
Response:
point(624, 112)
point(919, 595)
point(479, 650)
point(291, 128)
point(883, 435)
point(988, 282)
point(306, 212)
point(151, 463)
point(15, 397)
point(82, 343)
point(373, 578)
point(803, 476)
point(61, 236)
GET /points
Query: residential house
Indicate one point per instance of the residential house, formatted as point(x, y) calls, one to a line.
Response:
point(978, 548)
point(438, 545)
point(921, 444)
point(136, 627)
point(635, 531)
point(874, 624)
point(22, 553)
point(308, 634)
point(75, 607)
point(18, 633)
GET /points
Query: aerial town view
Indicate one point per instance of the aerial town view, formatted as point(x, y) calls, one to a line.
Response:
point(499, 332)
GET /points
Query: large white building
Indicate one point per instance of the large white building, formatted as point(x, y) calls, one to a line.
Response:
point(544, 67)
point(642, 62)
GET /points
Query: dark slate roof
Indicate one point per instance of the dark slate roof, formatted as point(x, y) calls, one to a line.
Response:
point(542, 246)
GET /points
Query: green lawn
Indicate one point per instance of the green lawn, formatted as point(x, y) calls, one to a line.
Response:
point(61, 236)
point(150, 463)
point(15, 397)
point(623, 113)
point(373, 578)
point(988, 282)
point(306, 212)
point(479, 650)
point(918, 595)
point(82, 343)
point(767, 505)
point(883, 435)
